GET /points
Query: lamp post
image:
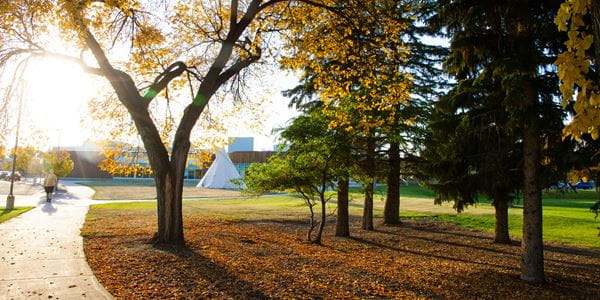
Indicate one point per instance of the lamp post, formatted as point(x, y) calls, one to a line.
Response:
point(10, 199)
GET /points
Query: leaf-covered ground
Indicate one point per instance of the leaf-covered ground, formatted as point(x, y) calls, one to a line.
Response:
point(270, 259)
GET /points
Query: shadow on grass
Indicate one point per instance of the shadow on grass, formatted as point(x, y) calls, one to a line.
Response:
point(6, 211)
point(556, 283)
point(220, 278)
point(420, 253)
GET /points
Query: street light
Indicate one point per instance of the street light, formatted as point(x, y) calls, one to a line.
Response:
point(10, 199)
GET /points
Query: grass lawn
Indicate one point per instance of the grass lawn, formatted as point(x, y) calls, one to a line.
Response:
point(255, 248)
point(124, 189)
point(6, 215)
point(566, 221)
point(566, 217)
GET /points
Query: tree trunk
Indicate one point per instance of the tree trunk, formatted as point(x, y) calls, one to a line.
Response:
point(169, 190)
point(367, 221)
point(501, 234)
point(342, 226)
point(391, 211)
point(323, 219)
point(532, 268)
point(312, 220)
point(170, 218)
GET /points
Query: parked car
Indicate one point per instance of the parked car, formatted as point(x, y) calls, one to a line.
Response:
point(558, 186)
point(16, 176)
point(585, 185)
point(6, 175)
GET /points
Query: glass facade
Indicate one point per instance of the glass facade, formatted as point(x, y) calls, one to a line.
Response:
point(242, 167)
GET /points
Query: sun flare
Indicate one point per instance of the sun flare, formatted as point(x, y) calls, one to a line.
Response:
point(55, 102)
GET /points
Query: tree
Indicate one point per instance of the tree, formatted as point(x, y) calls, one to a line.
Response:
point(406, 136)
point(470, 150)
point(578, 64)
point(585, 164)
point(35, 167)
point(342, 222)
point(25, 157)
point(515, 42)
point(60, 162)
point(309, 166)
point(209, 43)
point(360, 78)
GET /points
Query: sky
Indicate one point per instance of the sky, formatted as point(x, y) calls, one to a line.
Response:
point(56, 106)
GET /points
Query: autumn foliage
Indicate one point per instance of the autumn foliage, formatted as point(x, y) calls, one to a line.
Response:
point(578, 66)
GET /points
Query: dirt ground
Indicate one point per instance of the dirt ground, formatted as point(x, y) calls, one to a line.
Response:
point(270, 259)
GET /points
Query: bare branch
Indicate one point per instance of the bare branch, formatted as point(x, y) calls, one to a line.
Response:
point(234, 14)
point(236, 68)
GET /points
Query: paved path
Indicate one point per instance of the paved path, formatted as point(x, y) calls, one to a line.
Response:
point(41, 251)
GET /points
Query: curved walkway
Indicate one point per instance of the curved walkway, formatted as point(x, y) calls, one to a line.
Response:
point(41, 251)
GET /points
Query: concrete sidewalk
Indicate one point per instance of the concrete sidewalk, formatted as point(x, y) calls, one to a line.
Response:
point(41, 251)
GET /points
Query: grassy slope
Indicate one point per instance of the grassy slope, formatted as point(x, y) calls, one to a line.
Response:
point(6, 215)
point(567, 218)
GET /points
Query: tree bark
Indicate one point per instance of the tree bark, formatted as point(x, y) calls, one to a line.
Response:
point(342, 226)
point(323, 218)
point(170, 218)
point(501, 233)
point(391, 210)
point(311, 224)
point(367, 221)
point(532, 268)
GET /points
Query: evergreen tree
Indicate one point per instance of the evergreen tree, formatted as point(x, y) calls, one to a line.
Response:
point(470, 150)
point(424, 66)
point(511, 46)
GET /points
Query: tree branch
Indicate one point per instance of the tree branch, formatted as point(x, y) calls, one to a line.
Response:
point(236, 68)
point(97, 51)
point(234, 14)
point(162, 80)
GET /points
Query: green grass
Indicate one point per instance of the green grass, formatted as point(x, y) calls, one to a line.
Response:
point(412, 191)
point(567, 218)
point(127, 189)
point(6, 215)
point(130, 182)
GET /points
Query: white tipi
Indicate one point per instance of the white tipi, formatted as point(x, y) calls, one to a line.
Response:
point(220, 173)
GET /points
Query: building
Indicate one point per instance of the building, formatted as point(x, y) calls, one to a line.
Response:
point(241, 144)
point(243, 159)
point(85, 165)
point(86, 159)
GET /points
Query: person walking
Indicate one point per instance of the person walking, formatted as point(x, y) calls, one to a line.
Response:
point(50, 184)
